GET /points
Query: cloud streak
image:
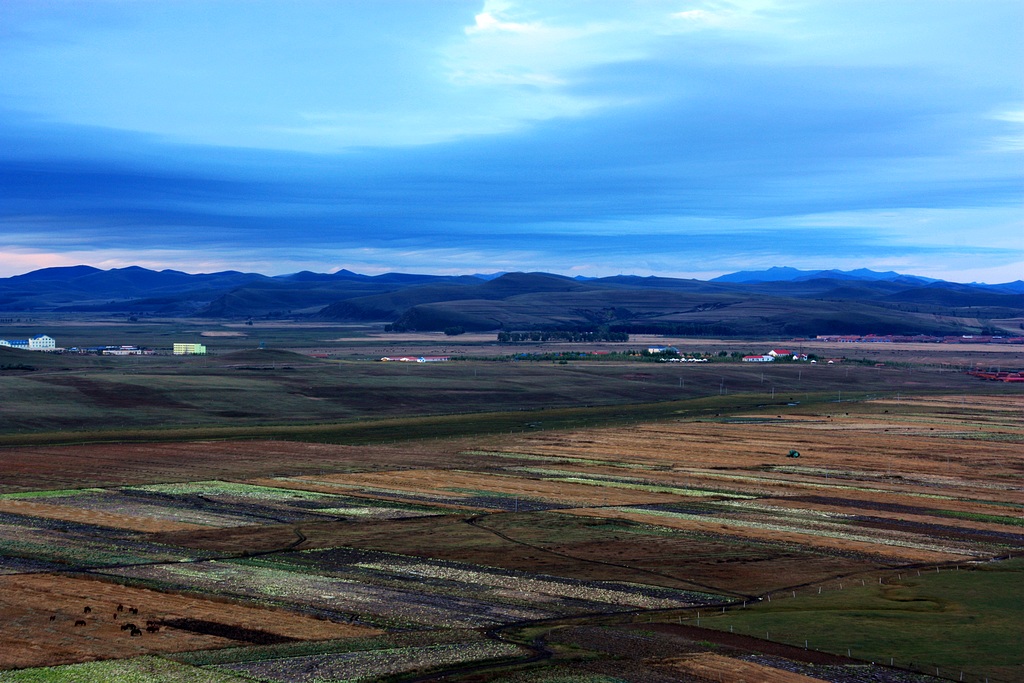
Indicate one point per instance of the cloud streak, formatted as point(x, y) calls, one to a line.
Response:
point(595, 138)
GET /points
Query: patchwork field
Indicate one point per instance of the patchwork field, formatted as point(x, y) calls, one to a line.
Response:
point(542, 555)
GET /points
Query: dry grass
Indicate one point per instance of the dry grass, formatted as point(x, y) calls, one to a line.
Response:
point(808, 540)
point(114, 520)
point(462, 484)
point(28, 637)
point(711, 667)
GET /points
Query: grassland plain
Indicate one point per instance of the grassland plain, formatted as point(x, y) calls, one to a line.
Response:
point(965, 617)
point(529, 545)
point(238, 385)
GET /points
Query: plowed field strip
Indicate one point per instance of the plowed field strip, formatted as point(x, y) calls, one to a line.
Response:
point(30, 638)
point(897, 552)
point(714, 667)
point(461, 484)
point(478, 523)
point(96, 517)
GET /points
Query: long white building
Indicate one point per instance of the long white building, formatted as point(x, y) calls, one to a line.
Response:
point(40, 342)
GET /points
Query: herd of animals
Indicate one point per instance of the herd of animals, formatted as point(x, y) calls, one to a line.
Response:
point(132, 628)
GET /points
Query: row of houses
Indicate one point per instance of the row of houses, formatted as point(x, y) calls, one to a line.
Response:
point(773, 354)
point(109, 350)
point(44, 342)
point(40, 342)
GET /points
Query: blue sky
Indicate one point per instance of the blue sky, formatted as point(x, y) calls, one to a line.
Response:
point(653, 137)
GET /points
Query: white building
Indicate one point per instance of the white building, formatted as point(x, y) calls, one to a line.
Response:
point(183, 349)
point(40, 342)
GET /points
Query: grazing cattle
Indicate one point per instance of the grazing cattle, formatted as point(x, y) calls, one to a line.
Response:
point(87, 609)
point(136, 632)
point(53, 617)
point(115, 615)
point(152, 628)
point(120, 607)
point(133, 610)
point(128, 626)
point(80, 622)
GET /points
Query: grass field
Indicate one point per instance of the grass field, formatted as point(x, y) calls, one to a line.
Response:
point(283, 518)
point(238, 386)
point(958, 618)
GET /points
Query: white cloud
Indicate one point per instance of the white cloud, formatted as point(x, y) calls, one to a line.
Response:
point(702, 16)
point(742, 14)
point(496, 16)
point(521, 61)
point(1013, 141)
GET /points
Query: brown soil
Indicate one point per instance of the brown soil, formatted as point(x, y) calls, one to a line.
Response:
point(57, 467)
point(748, 643)
point(29, 638)
point(710, 666)
point(97, 517)
point(894, 553)
point(462, 484)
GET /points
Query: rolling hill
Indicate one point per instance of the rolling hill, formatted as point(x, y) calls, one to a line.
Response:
point(779, 301)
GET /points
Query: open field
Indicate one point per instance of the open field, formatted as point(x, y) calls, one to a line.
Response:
point(30, 638)
point(966, 616)
point(337, 525)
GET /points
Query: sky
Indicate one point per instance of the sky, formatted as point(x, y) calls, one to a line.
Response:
point(591, 137)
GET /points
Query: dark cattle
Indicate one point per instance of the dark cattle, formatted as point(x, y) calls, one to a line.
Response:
point(133, 610)
point(53, 617)
point(80, 622)
point(87, 610)
point(152, 628)
point(120, 607)
point(128, 627)
point(136, 632)
point(115, 615)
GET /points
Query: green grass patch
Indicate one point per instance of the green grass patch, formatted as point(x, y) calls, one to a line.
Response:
point(966, 619)
point(135, 670)
point(260, 653)
point(981, 517)
point(54, 493)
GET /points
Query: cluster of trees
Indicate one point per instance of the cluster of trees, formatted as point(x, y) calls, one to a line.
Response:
point(577, 335)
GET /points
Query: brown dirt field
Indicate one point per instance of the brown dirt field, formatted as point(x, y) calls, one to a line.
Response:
point(715, 562)
point(97, 517)
point(57, 467)
point(449, 483)
point(892, 552)
point(714, 667)
point(748, 643)
point(28, 637)
point(540, 543)
point(838, 444)
point(848, 505)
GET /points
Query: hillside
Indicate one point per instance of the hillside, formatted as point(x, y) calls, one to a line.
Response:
point(780, 301)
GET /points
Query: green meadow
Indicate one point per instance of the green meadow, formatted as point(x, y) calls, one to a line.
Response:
point(955, 618)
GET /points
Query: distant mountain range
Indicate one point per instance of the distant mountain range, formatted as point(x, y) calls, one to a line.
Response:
point(777, 301)
point(784, 273)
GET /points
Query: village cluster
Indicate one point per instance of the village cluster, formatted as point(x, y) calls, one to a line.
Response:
point(671, 355)
point(776, 354)
point(44, 342)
